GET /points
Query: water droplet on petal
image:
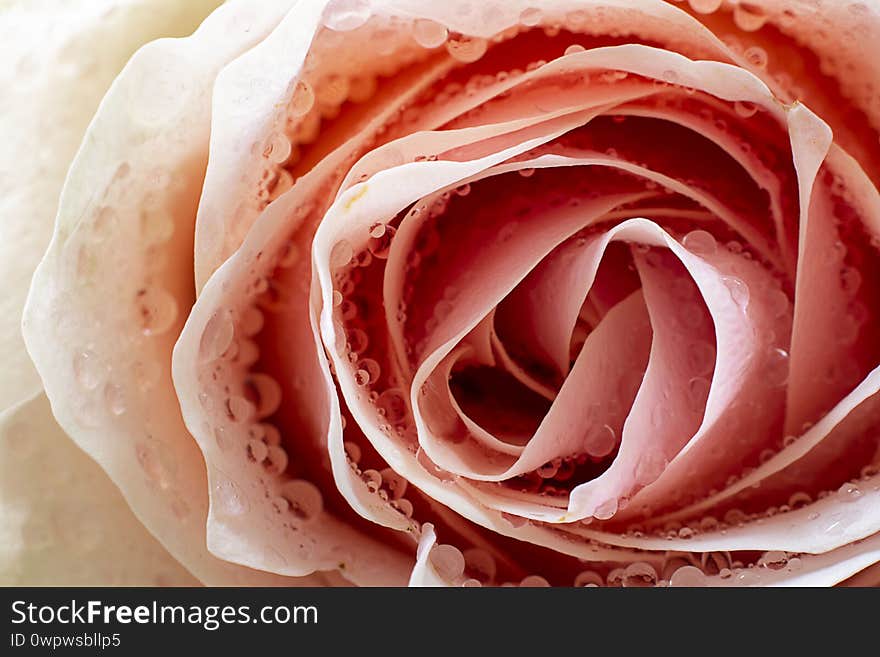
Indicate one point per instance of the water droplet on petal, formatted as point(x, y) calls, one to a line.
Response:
point(738, 290)
point(774, 559)
point(306, 501)
point(688, 576)
point(448, 561)
point(156, 310)
point(530, 17)
point(850, 492)
point(429, 34)
point(601, 441)
point(466, 49)
point(114, 398)
point(705, 6)
point(588, 578)
point(86, 370)
point(700, 243)
point(606, 510)
point(395, 484)
point(341, 255)
point(346, 15)
point(777, 368)
point(352, 451)
point(372, 479)
point(239, 409)
point(749, 16)
point(380, 246)
point(218, 335)
point(534, 581)
point(393, 403)
point(745, 109)
point(639, 574)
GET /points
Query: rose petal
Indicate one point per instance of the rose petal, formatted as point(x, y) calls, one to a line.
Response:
point(64, 522)
point(59, 62)
point(106, 366)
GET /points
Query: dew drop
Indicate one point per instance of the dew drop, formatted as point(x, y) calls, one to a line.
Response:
point(306, 501)
point(798, 500)
point(688, 576)
point(588, 578)
point(749, 16)
point(773, 559)
point(239, 409)
point(850, 492)
point(341, 255)
point(700, 243)
point(548, 470)
point(756, 56)
point(393, 403)
point(850, 280)
point(429, 34)
point(86, 370)
point(601, 441)
point(530, 17)
point(606, 510)
point(745, 109)
point(264, 392)
point(302, 100)
point(448, 561)
point(257, 451)
point(332, 90)
point(466, 49)
point(156, 310)
point(276, 460)
point(573, 49)
point(395, 484)
point(381, 246)
point(372, 479)
point(777, 368)
point(404, 506)
point(114, 398)
point(705, 6)
point(738, 290)
point(346, 15)
point(526, 173)
point(218, 335)
point(352, 451)
point(778, 303)
point(534, 582)
point(639, 574)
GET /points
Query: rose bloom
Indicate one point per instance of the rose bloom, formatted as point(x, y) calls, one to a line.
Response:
point(377, 292)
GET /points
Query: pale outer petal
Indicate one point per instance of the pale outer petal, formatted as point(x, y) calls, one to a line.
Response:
point(62, 521)
point(57, 59)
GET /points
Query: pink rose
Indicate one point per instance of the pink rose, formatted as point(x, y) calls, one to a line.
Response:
point(573, 292)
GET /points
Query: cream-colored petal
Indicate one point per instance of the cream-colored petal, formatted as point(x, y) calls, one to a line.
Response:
point(64, 523)
point(108, 300)
point(58, 59)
